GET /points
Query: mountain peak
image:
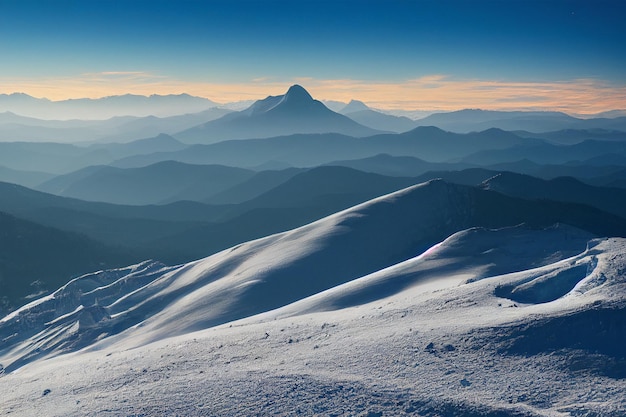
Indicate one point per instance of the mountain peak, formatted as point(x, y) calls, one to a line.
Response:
point(354, 106)
point(297, 93)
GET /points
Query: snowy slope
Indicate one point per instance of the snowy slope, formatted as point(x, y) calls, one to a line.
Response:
point(350, 315)
point(260, 275)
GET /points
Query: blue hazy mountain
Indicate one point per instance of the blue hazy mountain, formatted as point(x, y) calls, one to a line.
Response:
point(26, 178)
point(294, 112)
point(253, 187)
point(268, 204)
point(138, 127)
point(566, 189)
point(131, 227)
point(60, 158)
point(160, 183)
point(361, 113)
point(547, 153)
point(104, 108)
point(158, 143)
point(616, 178)
point(354, 106)
point(14, 128)
point(474, 120)
point(307, 150)
point(37, 259)
point(591, 174)
point(55, 158)
point(573, 136)
point(469, 176)
point(312, 187)
point(408, 166)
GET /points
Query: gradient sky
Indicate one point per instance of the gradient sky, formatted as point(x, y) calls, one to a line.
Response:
point(564, 55)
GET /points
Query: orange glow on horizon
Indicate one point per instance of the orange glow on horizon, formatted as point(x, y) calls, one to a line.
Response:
point(434, 92)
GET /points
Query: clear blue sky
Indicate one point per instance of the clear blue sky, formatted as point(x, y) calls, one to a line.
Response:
point(235, 42)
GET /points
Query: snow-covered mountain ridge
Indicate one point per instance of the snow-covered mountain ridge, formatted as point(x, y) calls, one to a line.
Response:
point(351, 314)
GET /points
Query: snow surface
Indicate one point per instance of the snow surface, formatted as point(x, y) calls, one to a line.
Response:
point(328, 319)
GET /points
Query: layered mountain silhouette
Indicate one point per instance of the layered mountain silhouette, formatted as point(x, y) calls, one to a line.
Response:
point(253, 187)
point(469, 176)
point(616, 178)
point(601, 175)
point(294, 112)
point(407, 166)
point(361, 113)
point(36, 259)
point(159, 143)
point(573, 136)
point(116, 225)
point(268, 203)
point(566, 189)
point(63, 158)
point(330, 188)
point(306, 150)
point(15, 128)
point(26, 178)
point(602, 153)
point(473, 120)
point(104, 108)
point(55, 158)
point(160, 183)
point(354, 106)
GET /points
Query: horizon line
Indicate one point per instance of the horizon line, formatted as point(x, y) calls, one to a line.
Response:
point(390, 110)
point(434, 93)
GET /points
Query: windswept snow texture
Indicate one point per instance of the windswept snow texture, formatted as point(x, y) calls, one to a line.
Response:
point(350, 315)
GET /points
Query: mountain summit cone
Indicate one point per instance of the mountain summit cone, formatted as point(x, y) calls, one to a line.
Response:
point(297, 94)
point(294, 112)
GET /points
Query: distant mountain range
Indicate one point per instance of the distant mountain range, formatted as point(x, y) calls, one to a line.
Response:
point(475, 120)
point(103, 108)
point(407, 154)
point(361, 113)
point(196, 120)
point(294, 112)
point(592, 152)
point(566, 189)
point(599, 175)
point(15, 128)
point(386, 164)
point(573, 136)
point(26, 178)
point(307, 150)
point(62, 158)
point(252, 205)
point(164, 182)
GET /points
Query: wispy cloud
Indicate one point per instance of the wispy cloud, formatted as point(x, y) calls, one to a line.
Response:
point(432, 92)
point(120, 73)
